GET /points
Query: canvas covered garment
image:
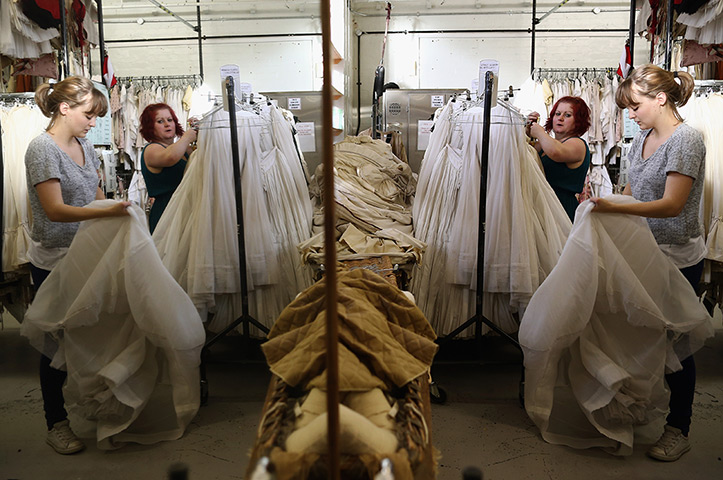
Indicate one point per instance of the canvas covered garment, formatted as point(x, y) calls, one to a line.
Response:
point(610, 320)
point(130, 338)
point(384, 339)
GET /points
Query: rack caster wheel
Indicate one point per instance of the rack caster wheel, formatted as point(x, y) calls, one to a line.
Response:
point(204, 392)
point(437, 394)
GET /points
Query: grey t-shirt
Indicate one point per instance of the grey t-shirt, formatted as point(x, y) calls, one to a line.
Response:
point(683, 152)
point(45, 160)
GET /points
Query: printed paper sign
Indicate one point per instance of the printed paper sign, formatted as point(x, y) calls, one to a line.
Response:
point(307, 136)
point(294, 104)
point(101, 133)
point(424, 130)
point(484, 67)
point(437, 101)
point(233, 72)
point(630, 127)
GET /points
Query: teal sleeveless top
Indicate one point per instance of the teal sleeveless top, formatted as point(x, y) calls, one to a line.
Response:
point(566, 182)
point(161, 186)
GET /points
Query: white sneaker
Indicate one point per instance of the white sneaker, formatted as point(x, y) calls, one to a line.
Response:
point(671, 445)
point(63, 440)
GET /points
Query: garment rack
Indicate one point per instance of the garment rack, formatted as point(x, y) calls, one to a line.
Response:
point(542, 72)
point(193, 78)
point(245, 317)
point(478, 318)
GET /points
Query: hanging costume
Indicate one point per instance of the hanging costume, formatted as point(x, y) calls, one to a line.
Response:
point(595, 362)
point(129, 337)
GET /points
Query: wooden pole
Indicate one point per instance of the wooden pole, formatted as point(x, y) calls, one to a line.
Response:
point(332, 329)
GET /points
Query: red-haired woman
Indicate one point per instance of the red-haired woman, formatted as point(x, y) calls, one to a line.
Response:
point(565, 157)
point(164, 159)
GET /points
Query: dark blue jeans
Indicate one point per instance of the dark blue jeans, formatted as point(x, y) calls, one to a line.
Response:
point(51, 379)
point(682, 382)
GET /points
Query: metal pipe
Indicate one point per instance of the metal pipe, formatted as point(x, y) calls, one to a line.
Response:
point(101, 40)
point(2, 199)
point(481, 13)
point(479, 291)
point(239, 203)
point(332, 329)
point(200, 38)
point(212, 37)
point(631, 33)
point(399, 32)
point(504, 30)
point(154, 2)
point(358, 83)
point(552, 10)
point(532, 29)
point(64, 34)
point(669, 37)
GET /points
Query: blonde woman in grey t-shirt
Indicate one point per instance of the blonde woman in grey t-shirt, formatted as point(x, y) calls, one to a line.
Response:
point(667, 170)
point(62, 173)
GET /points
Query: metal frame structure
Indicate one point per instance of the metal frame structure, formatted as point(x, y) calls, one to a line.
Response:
point(196, 28)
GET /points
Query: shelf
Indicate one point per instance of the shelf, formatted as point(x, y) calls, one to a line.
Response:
point(336, 58)
point(336, 94)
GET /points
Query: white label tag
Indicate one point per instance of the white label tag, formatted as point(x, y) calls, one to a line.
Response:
point(474, 88)
point(484, 67)
point(294, 103)
point(307, 136)
point(233, 72)
point(437, 101)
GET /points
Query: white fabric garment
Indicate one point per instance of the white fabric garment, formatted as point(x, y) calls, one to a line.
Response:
point(705, 114)
point(137, 190)
point(20, 124)
point(131, 122)
point(706, 25)
point(530, 99)
point(598, 335)
point(600, 181)
point(372, 187)
point(372, 191)
point(526, 225)
point(197, 234)
point(20, 37)
point(129, 337)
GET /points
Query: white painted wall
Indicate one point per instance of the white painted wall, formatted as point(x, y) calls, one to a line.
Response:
point(276, 61)
point(451, 60)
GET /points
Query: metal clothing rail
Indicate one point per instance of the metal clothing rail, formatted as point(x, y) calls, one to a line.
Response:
point(478, 318)
point(160, 78)
point(245, 317)
point(102, 41)
point(536, 21)
point(2, 204)
point(64, 34)
point(708, 83)
point(544, 72)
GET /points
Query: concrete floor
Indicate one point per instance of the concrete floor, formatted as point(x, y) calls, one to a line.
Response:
point(481, 424)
